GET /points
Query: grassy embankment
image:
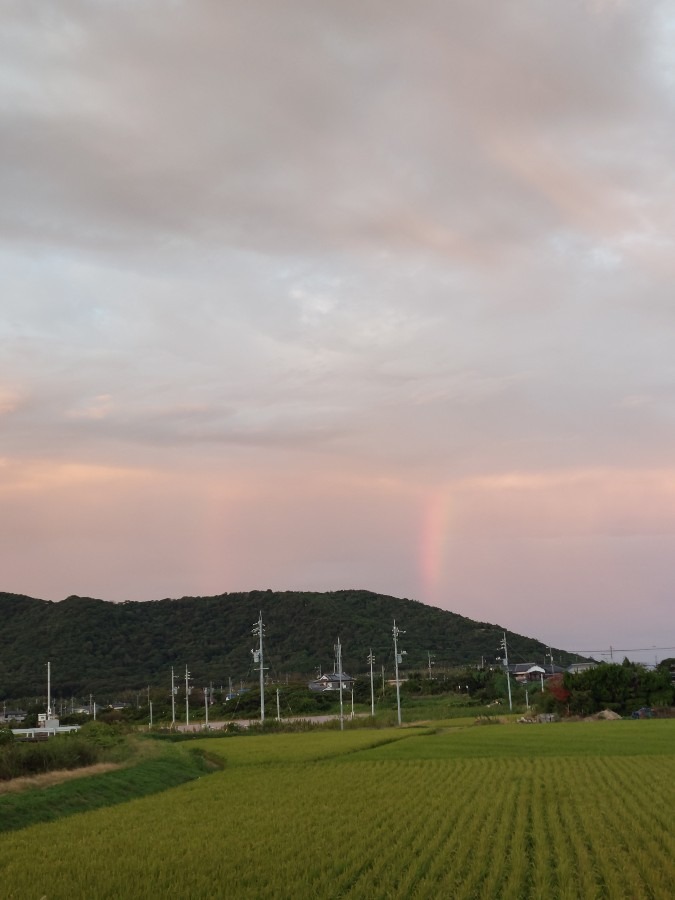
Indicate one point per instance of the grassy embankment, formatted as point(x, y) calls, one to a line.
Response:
point(142, 768)
point(556, 811)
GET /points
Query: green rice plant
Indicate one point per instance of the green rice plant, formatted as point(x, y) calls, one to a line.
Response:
point(342, 815)
point(299, 748)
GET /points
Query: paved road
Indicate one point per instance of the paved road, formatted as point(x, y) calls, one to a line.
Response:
point(245, 723)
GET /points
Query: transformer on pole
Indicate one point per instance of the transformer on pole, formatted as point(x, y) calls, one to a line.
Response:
point(506, 665)
point(259, 632)
point(338, 660)
point(187, 696)
point(173, 700)
point(398, 658)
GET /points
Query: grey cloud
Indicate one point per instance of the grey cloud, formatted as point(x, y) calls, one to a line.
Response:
point(313, 126)
point(349, 214)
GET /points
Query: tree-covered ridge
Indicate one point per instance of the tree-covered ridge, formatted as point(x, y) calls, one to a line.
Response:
point(105, 647)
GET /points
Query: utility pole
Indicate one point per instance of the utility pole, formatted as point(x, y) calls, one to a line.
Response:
point(278, 707)
point(259, 631)
point(49, 690)
point(187, 696)
point(550, 656)
point(430, 664)
point(338, 660)
point(371, 660)
point(150, 705)
point(173, 700)
point(206, 707)
point(506, 665)
point(398, 658)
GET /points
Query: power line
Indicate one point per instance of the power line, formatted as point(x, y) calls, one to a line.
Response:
point(622, 650)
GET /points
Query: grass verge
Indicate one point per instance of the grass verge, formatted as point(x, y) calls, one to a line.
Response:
point(173, 766)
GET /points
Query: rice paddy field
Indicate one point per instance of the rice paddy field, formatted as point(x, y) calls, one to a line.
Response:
point(582, 810)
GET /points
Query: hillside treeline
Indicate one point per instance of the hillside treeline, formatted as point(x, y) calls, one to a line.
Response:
point(106, 648)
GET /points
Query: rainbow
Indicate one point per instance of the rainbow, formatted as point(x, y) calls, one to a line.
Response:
point(436, 515)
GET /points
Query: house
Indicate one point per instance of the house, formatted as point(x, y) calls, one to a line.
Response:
point(524, 672)
point(12, 715)
point(331, 682)
point(577, 667)
point(233, 695)
point(550, 670)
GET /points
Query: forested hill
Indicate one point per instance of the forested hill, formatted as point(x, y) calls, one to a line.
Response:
point(105, 648)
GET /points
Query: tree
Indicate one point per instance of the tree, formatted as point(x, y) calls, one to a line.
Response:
point(556, 687)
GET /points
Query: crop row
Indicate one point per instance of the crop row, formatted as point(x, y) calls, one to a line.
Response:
point(596, 827)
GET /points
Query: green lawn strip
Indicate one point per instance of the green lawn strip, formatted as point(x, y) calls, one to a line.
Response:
point(150, 776)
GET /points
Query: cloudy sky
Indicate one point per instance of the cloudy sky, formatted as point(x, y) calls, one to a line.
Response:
point(320, 295)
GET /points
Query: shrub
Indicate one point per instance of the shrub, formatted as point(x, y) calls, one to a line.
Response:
point(101, 734)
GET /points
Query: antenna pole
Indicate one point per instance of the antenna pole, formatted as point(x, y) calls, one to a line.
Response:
point(371, 660)
point(506, 664)
point(187, 696)
point(338, 656)
point(173, 700)
point(259, 631)
point(398, 658)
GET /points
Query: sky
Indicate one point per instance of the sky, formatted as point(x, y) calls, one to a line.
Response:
point(327, 295)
